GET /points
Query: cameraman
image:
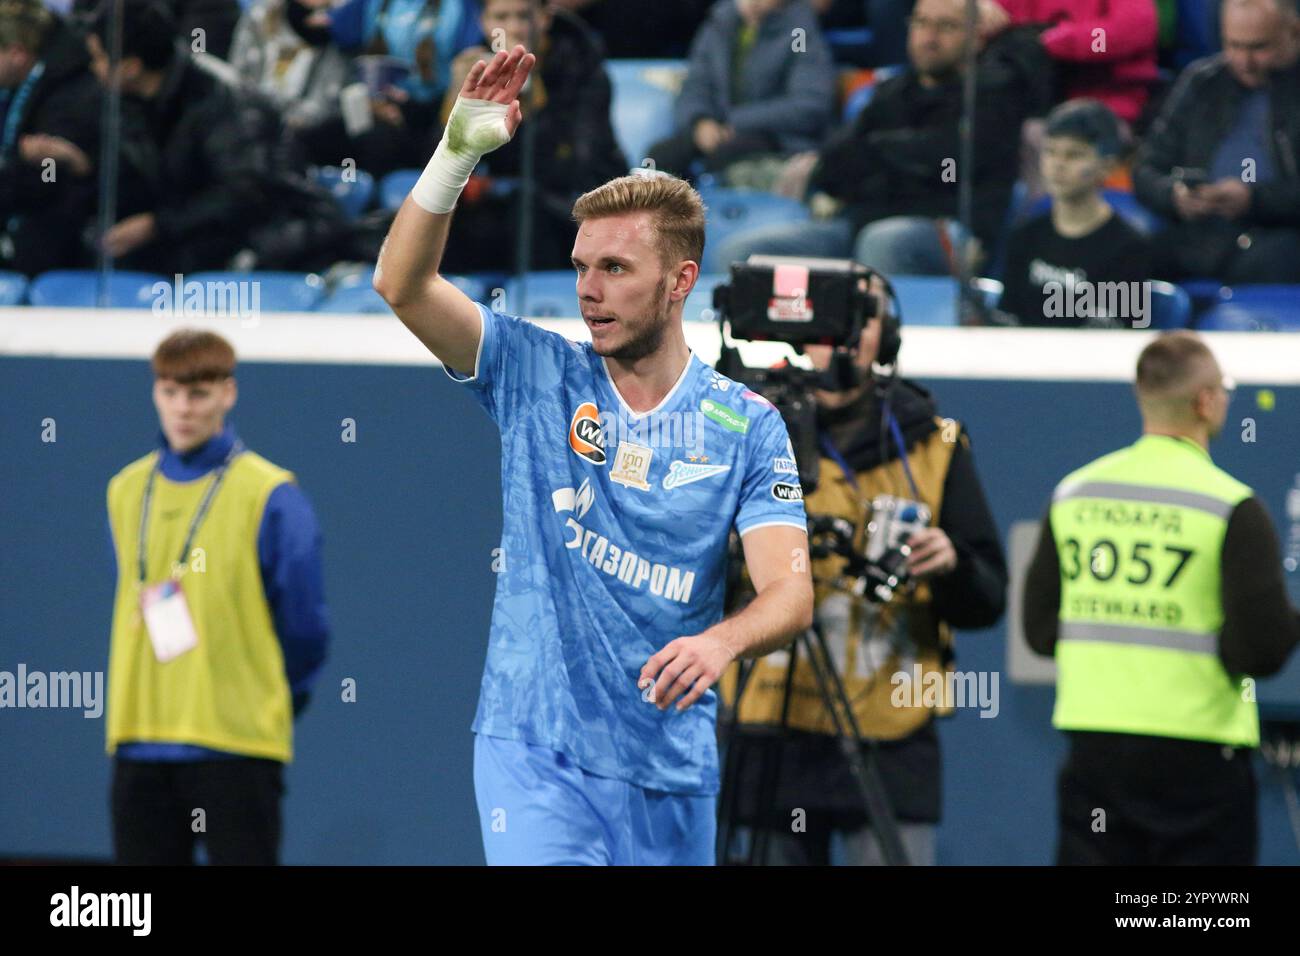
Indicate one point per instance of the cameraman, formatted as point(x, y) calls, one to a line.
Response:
point(957, 578)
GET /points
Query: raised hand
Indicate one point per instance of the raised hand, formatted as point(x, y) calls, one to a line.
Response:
point(498, 82)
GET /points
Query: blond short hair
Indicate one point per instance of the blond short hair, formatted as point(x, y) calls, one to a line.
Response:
point(677, 211)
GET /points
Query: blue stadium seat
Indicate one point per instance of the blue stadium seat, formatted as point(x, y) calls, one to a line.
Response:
point(643, 94)
point(1171, 307)
point(78, 288)
point(548, 295)
point(356, 294)
point(849, 44)
point(352, 189)
point(1198, 30)
point(394, 187)
point(734, 210)
point(1254, 308)
point(275, 291)
point(857, 101)
point(926, 300)
point(13, 288)
point(699, 304)
point(989, 290)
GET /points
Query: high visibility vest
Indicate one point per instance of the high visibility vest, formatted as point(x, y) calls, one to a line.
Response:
point(1139, 535)
point(230, 692)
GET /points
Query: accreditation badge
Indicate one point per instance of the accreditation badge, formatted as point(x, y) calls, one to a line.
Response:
point(167, 618)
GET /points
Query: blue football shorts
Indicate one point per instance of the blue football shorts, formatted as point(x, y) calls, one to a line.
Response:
point(537, 807)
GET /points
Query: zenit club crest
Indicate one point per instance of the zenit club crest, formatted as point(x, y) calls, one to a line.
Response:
point(585, 435)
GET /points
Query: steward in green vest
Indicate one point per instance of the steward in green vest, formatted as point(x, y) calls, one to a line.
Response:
point(1157, 584)
point(219, 625)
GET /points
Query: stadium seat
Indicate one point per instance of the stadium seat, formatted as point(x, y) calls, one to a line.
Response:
point(641, 109)
point(857, 101)
point(734, 210)
point(78, 288)
point(13, 288)
point(356, 294)
point(989, 290)
point(275, 291)
point(1171, 307)
point(850, 44)
point(1254, 308)
point(1198, 30)
point(352, 189)
point(545, 295)
point(927, 300)
point(394, 187)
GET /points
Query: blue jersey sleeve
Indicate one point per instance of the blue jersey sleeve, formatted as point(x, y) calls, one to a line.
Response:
point(770, 493)
point(517, 362)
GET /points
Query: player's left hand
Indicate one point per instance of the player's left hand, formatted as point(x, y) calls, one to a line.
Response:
point(932, 554)
point(687, 665)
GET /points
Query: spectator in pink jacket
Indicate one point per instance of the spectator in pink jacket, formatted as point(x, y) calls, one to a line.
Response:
point(1106, 49)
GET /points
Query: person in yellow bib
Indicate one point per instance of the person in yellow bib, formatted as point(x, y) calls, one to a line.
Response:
point(219, 625)
point(1157, 583)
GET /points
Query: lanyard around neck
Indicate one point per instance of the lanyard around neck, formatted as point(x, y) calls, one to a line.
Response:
point(834, 454)
point(199, 515)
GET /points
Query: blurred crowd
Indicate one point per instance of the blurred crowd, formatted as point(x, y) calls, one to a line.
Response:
point(1113, 140)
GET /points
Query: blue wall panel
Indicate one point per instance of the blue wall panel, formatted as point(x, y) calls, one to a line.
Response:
point(411, 513)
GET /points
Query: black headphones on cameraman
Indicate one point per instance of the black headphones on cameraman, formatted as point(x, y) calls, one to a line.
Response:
point(891, 322)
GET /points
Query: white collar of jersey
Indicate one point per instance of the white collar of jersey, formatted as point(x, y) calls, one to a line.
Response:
point(690, 362)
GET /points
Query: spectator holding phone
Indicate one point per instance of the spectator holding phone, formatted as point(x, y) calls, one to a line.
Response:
point(1220, 160)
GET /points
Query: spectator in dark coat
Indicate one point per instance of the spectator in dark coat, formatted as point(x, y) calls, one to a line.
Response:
point(885, 190)
point(202, 176)
point(567, 105)
point(760, 81)
point(1220, 161)
point(50, 117)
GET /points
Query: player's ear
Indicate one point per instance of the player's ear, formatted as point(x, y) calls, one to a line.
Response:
point(688, 271)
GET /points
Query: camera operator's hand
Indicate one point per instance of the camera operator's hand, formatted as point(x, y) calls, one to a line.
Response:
point(933, 554)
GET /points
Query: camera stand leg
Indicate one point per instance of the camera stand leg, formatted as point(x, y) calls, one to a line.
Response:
point(866, 774)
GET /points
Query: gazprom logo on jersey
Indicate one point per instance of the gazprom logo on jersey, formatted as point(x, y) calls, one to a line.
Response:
point(665, 581)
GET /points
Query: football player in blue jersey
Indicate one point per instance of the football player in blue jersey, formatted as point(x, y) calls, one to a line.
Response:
point(626, 464)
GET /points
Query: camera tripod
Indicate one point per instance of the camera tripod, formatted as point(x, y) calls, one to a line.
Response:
point(861, 760)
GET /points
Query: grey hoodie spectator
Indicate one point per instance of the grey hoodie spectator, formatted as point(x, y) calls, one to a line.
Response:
point(760, 80)
point(294, 66)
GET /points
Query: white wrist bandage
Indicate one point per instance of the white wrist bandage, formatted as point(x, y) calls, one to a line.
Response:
point(474, 128)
